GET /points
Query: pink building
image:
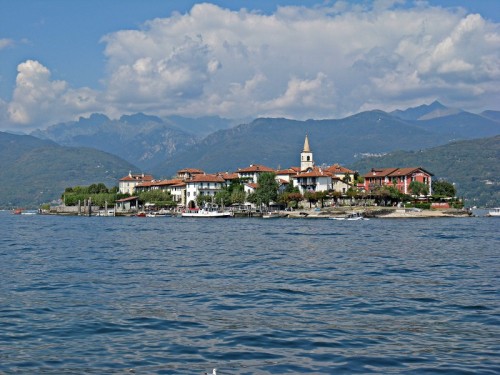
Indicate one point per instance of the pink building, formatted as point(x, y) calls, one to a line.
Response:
point(397, 177)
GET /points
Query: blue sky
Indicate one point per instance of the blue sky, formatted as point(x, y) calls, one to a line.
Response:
point(63, 59)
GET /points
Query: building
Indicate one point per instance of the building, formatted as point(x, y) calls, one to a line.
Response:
point(400, 178)
point(127, 184)
point(251, 174)
point(202, 184)
point(312, 180)
point(306, 157)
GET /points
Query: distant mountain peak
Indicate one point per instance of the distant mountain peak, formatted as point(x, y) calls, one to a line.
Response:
point(418, 113)
point(139, 118)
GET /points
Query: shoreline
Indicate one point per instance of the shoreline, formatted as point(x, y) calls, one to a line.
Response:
point(326, 213)
point(379, 213)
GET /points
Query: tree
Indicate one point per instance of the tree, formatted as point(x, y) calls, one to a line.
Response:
point(346, 178)
point(443, 188)
point(159, 198)
point(267, 190)
point(238, 196)
point(223, 197)
point(311, 197)
point(201, 199)
point(419, 188)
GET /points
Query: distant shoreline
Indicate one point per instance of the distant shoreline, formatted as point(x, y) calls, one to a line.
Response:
point(327, 212)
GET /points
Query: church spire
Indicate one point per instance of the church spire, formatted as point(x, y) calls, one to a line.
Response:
point(306, 157)
point(306, 145)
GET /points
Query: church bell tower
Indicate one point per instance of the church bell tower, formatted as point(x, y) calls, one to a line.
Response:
point(306, 157)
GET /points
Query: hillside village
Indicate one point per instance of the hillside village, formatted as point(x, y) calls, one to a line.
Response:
point(189, 183)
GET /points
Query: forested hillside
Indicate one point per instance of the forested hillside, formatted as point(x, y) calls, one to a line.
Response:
point(34, 171)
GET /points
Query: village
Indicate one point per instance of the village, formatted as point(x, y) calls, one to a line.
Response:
point(312, 191)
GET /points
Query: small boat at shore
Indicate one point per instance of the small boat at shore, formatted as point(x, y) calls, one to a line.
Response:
point(351, 217)
point(204, 213)
point(494, 212)
point(271, 215)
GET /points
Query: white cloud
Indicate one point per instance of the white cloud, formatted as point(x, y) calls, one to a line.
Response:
point(5, 43)
point(38, 100)
point(325, 61)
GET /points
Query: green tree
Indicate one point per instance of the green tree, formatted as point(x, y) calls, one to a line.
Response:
point(311, 197)
point(267, 190)
point(159, 198)
point(223, 197)
point(419, 188)
point(443, 188)
point(202, 199)
point(238, 196)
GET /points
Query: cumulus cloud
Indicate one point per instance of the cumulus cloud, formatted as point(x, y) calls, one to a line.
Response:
point(38, 100)
point(303, 62)
point(325, 61)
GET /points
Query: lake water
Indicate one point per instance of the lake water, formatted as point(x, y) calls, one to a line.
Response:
point(113, 295)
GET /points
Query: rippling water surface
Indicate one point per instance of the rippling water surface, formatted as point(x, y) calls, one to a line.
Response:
point(248, 296)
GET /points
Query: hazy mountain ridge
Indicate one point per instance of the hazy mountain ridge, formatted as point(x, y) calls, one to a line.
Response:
point(35, 171)
point(158, 146)
point(140, 139)
point(277, 141)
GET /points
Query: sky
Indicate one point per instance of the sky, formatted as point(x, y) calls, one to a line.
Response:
point(61, 60)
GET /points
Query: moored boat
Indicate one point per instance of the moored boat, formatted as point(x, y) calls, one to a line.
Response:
point(495, 212)
point(351, 217)
point(204, 213)
point(271, 215)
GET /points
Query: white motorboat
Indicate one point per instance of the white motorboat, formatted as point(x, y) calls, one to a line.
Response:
point(203, 213)
point(351, 217)
point(495, 212)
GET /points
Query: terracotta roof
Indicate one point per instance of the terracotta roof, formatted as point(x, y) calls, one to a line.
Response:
point(137, 177)
point(379, 172)
point(316, 172)
point(394, 172)
point(228, 176)
point(180, 184)
point(191, 171)
point(255, 168)
point(337, 169)
point(289, 171)
point(127, 199)
point(407, 171)
point(159, 183)
point(205, 178)
point(253, 185)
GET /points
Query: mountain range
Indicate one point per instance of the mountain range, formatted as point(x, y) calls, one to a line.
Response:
point(140, 139)
point(35, 171)
point(162, 146)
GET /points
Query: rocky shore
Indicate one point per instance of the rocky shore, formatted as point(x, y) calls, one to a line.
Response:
point(377, 212)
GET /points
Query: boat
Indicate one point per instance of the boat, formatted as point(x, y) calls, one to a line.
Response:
point(29, 212)
point(495, 212)
point(271, 215)
point(157, 214)
point(206, 213)
point(351, 217)
point(17, 211)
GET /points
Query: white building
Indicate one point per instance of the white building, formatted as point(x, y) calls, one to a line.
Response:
point(202, 184)
point(253, 171)
point(127, 184)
